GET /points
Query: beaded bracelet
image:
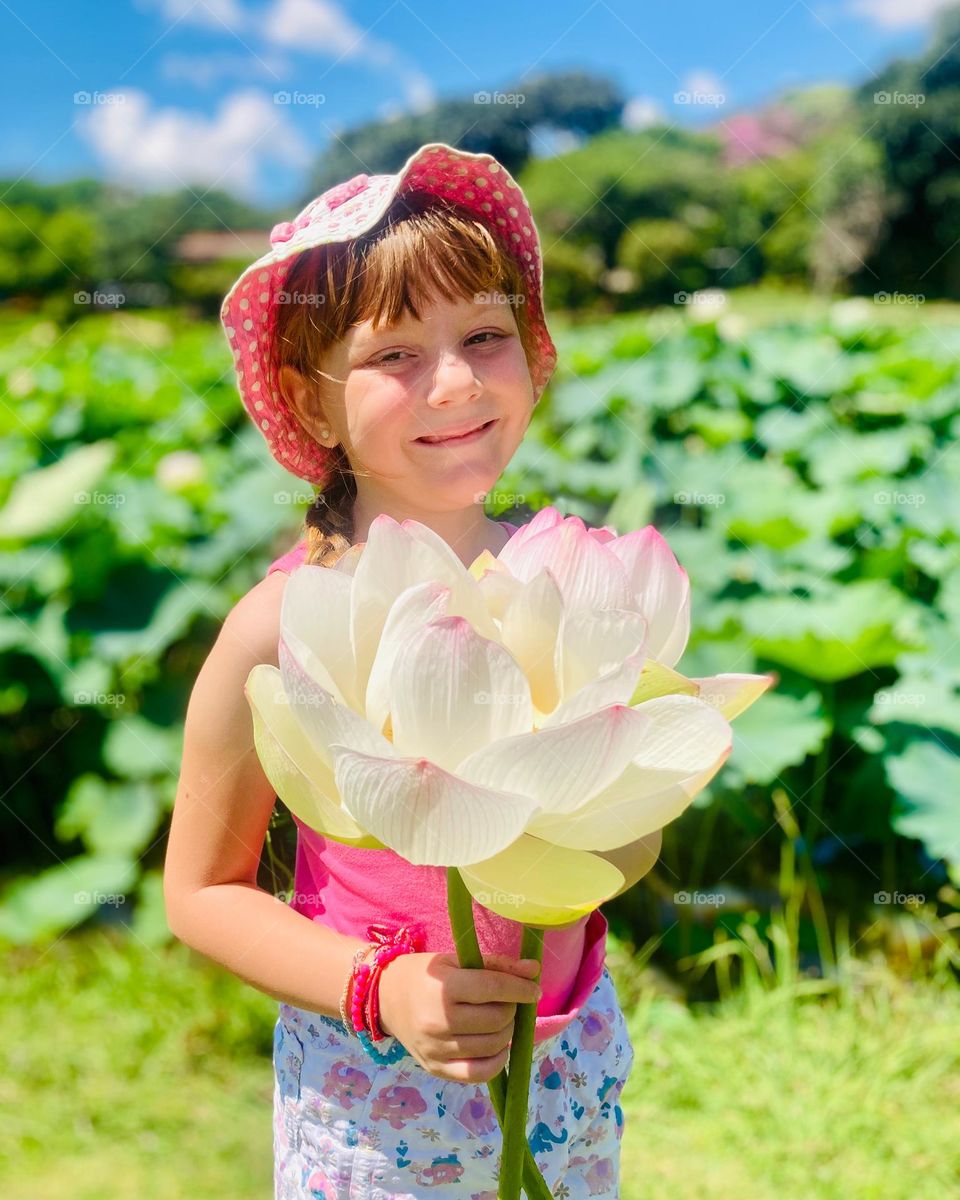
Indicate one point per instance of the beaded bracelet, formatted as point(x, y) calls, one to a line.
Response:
point(360, 954)
point(391, 943)
point(366, 999)
point(372, 1009)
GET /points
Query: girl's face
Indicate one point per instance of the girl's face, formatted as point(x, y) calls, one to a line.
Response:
point(458, 367)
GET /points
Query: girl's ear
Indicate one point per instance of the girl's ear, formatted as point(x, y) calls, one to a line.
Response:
point(302, 397)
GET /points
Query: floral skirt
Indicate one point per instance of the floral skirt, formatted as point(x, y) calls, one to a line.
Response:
point(348, 1128)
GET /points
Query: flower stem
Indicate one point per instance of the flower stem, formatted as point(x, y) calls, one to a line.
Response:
point(518, 1080)
point(460, 908)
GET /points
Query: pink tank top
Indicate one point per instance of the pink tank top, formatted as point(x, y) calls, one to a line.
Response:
point(347, 889)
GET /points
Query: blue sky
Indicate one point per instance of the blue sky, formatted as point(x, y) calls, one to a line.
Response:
point(160, 93)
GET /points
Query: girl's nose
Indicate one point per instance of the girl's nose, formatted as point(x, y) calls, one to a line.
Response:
point(453, 373)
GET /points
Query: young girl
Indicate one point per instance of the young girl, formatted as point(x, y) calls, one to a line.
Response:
point(390, 346)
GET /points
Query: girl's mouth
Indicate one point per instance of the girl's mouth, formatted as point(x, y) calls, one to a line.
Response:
point(463, 440)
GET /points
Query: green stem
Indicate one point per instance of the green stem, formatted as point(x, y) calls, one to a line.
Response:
point(518, 1080)
point(460, 908)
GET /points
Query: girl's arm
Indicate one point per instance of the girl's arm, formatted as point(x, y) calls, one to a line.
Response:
point(220, 818)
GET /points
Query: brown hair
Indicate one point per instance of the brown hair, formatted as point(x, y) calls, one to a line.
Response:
point(424, 245)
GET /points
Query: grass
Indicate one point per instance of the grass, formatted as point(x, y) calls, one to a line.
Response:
point(132, 1072)
point(769, 1095)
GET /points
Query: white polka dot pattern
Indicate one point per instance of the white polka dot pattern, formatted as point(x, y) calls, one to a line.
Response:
point(476, 182)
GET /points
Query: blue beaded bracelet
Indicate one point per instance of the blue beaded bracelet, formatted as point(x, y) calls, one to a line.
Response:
point(397, 1050)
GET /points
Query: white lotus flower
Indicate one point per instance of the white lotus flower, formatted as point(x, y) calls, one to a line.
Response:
point(505, 719)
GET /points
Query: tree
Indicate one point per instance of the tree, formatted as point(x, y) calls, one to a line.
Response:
point(913, 109)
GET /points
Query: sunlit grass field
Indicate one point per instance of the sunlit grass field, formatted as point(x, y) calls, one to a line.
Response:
point(144, 1073)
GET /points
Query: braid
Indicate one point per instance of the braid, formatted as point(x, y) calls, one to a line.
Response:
point(328, 522)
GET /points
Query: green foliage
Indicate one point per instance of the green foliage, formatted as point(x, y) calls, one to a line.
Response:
point(800, 468)
point(911, 108)
point(799, 471)
point(136, 506)
point(503, 121)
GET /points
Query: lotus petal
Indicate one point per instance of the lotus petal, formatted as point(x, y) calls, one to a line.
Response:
point(588, 575)
point(593, 642)
point(660, 590)
point(660, 680)
point(529, 630)
point(424, 813)
point(453, 692)
point(732, 694)
point(619, 686)
point(412, 609)
point(687, 743)
point(297, 773)
point(321, 717)
point(315, 613)
point(397, 556)
point(541, 884)
point(561, 768)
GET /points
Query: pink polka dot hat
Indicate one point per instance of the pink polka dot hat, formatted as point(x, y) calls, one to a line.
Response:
point(475, 182)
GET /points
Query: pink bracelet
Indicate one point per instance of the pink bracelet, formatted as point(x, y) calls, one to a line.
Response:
point(383, 956)
point(344, 997)
point(365, 1007)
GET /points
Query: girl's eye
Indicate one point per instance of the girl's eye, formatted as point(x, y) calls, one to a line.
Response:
point(486, 333)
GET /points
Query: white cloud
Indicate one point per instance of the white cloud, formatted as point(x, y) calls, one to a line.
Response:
point(323, 27)
point(165, 148)
point(898, 14)
point(703, 83)
point(153, 145)
point(420, 92)
point(204, 70)
point(316, 25)
point(640, 112)
point(548, 141)
point(210, 14)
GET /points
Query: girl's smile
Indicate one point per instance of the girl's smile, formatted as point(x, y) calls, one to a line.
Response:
point(473, 434)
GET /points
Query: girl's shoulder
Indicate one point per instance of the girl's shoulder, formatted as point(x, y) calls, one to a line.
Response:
point(293, 558)
point(254, 621)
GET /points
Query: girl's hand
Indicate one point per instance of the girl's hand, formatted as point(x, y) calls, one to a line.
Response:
point(456, 1022)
